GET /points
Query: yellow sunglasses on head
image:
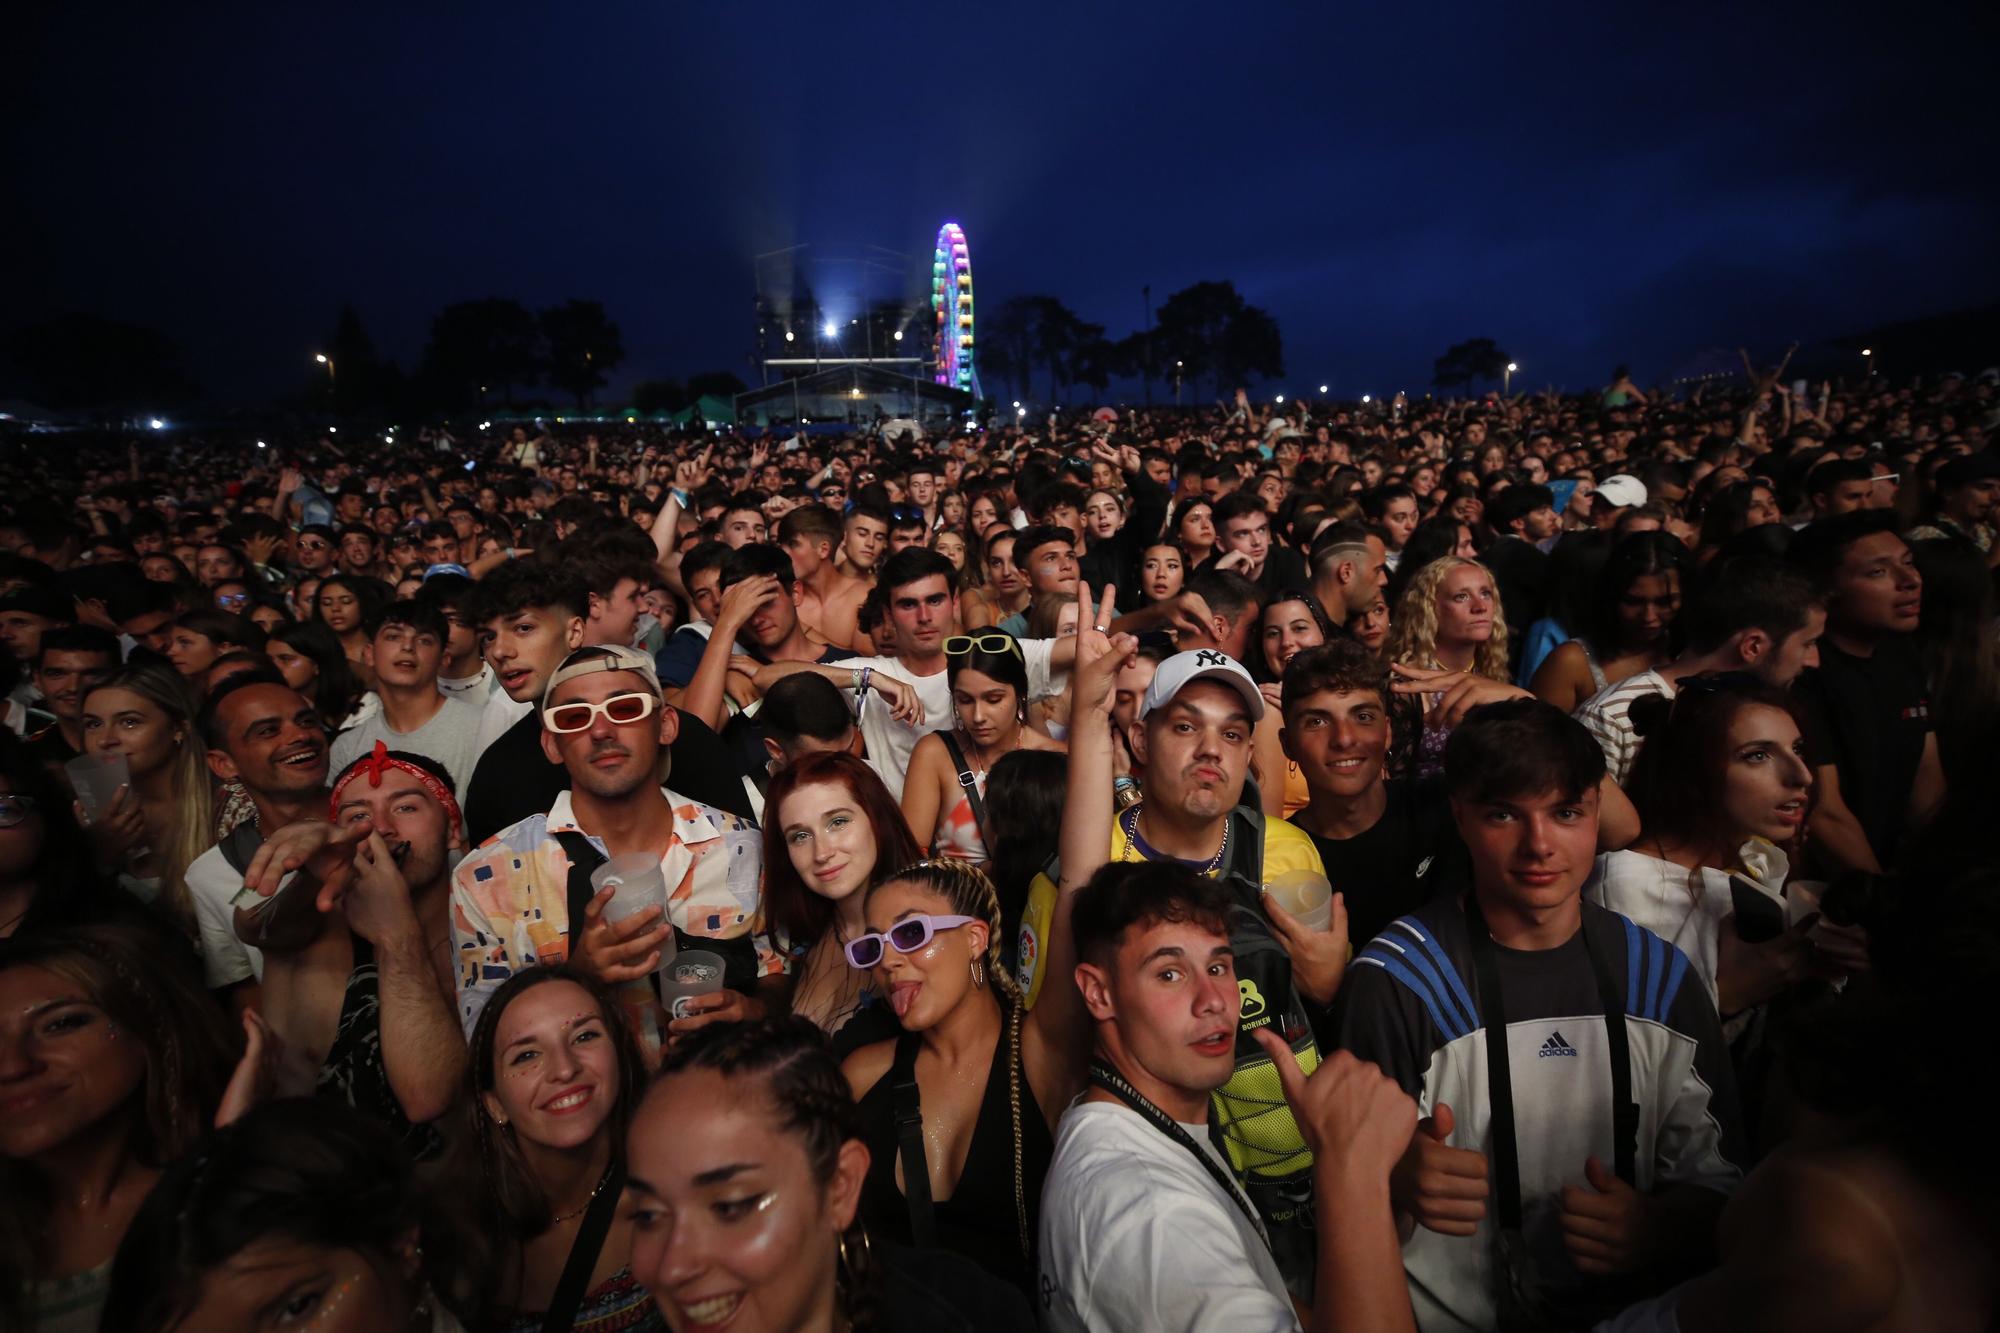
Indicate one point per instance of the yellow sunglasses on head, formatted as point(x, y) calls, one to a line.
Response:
point(958, 645)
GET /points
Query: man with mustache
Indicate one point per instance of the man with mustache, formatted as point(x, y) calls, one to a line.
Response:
point(358, 966)
point(525, 897)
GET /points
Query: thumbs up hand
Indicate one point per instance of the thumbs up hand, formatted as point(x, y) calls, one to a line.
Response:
point(1608, 1226)
point(1442, 1187)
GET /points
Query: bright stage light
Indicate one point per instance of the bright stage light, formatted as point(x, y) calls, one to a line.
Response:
point(1281, 398)
point(899, 335)
point(157, 424)
point(262, 445)
point(831, 329)
point(1367, 397)
point(1322, 388)
point(788, 335)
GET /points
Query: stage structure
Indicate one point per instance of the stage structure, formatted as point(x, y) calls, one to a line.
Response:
point(841, 337)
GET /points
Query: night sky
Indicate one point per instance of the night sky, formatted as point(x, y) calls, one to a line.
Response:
point(1584, 184)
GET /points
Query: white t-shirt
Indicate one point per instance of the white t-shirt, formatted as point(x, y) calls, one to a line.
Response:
point(225, 960)
point(474, 689)
point(890, 741)
point(499, 713)
point(451, 737)
point(1686, 908)
point(1136, 1236)
point(1607, 716)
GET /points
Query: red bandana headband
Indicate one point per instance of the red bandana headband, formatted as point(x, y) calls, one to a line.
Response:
point(377, 766)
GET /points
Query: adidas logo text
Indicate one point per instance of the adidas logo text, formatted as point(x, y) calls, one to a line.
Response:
point(1555, 1045)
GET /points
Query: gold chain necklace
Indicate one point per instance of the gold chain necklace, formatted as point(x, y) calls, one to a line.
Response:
point(595, 1190)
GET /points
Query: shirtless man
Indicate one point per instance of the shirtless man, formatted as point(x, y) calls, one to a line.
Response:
point(866, 543)
point(829, 600)
point(363, 940)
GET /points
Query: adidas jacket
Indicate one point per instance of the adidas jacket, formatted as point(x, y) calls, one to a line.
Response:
point(1408, 1004)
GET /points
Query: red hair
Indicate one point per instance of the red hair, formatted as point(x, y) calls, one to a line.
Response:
point(790, 907)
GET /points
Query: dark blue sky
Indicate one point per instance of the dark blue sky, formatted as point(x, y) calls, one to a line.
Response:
point(1584, 184)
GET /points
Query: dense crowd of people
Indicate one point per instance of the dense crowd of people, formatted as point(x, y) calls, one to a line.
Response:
point(1511, 864)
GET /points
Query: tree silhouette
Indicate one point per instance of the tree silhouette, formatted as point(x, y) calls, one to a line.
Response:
point(478, 347)
point(650, 396)
point(716, 384)
point(583, 346)
point(84, 361)
point(362, 380)
point(1007, 343)
point(1474, 359)
point(1213, 331)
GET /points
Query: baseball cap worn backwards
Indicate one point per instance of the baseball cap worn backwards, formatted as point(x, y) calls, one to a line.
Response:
point(602, 657)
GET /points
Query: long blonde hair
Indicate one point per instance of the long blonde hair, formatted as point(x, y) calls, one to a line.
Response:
point(192, 831)
point(1413, 632)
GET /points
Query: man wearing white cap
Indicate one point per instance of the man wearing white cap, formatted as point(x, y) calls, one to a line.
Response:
point(525, 896)
point(1613, 496)
point(1194, 736)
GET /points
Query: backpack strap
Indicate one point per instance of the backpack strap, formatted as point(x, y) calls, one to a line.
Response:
point(907, 1105)
point(968, 782)
point(583, 859)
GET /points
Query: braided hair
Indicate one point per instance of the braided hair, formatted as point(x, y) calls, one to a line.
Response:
point(972, 894)
point(804, 1083)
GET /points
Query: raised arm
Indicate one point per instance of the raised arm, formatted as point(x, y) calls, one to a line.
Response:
point(704, 696)
point(423, 1050)
point(1058, 1023)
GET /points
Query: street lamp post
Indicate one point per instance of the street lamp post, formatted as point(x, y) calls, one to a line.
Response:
point(1507, 379)
point(326, 361)
point(1868, 360)
point(1179, 368)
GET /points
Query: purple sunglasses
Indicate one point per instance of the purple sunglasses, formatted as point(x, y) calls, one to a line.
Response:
point(908, 935)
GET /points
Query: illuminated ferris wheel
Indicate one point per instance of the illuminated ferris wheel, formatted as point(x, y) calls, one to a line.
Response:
point(951, 306)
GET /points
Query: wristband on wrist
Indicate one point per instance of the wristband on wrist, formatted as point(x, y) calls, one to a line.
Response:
point(680, 497)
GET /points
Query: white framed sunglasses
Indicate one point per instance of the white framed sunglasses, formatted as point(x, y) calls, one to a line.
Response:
point(620, 710)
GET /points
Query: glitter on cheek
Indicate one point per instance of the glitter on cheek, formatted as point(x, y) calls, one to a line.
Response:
point(335, 1299)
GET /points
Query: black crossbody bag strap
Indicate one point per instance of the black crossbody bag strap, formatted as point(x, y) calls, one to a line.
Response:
point(1499, 1076)
point(1624, 1110)
point(574, 1284)
point(907, 1104)
point(969, 782)
point(1109, 1079)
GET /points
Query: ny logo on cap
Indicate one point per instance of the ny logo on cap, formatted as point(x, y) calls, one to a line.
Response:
point(1210, 657)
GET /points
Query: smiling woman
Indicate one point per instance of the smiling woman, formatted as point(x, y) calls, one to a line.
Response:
point(747, 1165)
point(552, 1078)
point(115, 1063)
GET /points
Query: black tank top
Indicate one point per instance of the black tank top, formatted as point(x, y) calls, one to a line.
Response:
point(979, 1219)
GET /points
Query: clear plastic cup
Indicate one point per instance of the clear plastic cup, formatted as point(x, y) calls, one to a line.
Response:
point(1307, 896)
point(96, 779)
point(695, 972)
point(637, 884)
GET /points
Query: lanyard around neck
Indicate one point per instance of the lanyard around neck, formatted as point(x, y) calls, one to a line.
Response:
point(1105, 1077)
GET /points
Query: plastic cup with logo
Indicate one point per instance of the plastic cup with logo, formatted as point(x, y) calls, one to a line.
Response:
point(637, 884)
point(1306, 895)
point(96, 779)
point(693, 973)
